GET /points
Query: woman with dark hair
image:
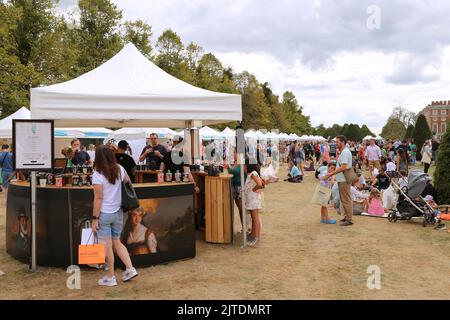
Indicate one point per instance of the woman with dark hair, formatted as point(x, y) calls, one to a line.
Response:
point(292, 147)
point(107, 218)
point(402, 160)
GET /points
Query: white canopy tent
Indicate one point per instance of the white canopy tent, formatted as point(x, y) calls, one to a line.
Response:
point(207, 133)
point(251, 135)
point(24, 114)
point(368, 138)
point(228, 133)
point(272, 136)
point(294, 136)
point(130, 90)
point(6, 123)
point(261, 135)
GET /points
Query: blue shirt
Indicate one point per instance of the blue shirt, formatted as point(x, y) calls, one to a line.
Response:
point(295, 172)
point(6, 161)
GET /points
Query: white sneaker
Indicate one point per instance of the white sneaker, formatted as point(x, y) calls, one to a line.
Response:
point(129, 274)
point(253, 242)
point(108, 282)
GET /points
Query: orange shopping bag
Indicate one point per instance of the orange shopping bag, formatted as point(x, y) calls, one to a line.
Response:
point(91, 253)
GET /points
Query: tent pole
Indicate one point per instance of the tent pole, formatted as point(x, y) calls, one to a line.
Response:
point(244, 212)
point(240, 146)
point(33, 221)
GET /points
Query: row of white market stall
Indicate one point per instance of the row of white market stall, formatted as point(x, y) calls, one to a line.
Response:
point(206, 133)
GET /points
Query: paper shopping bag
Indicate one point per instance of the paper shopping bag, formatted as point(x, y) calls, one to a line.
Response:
point(91, 253)
point(88, 251)
point(321, 196)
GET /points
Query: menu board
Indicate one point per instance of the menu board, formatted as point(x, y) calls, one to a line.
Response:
point(33, 144)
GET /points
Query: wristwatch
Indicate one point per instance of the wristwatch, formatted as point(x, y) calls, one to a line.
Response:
point(95, 218)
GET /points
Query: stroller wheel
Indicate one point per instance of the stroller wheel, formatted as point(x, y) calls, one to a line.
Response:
point(392, 216)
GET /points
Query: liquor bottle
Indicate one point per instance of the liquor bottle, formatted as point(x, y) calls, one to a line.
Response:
point(168, 176)
point(178, 176)
point(160, 177)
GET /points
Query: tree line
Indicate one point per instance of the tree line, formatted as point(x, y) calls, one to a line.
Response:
point(39, 47)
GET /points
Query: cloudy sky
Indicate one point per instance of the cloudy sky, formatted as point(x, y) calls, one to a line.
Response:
point(342, 62)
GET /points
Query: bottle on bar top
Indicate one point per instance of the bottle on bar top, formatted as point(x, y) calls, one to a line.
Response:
point(178, 176)
point(168, 176)
point(160, 177)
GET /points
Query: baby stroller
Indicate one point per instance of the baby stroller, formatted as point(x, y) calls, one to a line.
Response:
point(410, 203)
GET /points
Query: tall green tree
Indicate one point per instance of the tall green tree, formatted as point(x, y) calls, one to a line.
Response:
point(193, 55)
point(277, 117)
point(409, 132)
point(255, 110)
point(139, 33)
point(394, 129)
point(299, 123)
point(31, 50)
point(170, 51)
point(98, 33)
point(421, 133)
point(365, 131)
point(320, 130)
point(353, 132)
point(209, 72)
point(442, 173)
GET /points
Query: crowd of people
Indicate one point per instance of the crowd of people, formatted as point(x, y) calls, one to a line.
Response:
point(375, 163)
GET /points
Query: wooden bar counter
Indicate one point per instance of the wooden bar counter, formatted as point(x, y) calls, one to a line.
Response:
point(165, 232)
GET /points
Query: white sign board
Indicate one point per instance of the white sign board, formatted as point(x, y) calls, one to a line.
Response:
point(33, 144)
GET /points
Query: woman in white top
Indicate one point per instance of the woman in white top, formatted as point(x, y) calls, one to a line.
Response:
point(107, 218)
point(253, 199)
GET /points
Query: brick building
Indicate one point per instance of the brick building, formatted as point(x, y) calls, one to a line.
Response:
point(438, 116)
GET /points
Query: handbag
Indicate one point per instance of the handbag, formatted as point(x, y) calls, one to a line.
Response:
point(350, 175)
point(130, 200)
point(91, 253)
point(321, 196)
point(426, 158)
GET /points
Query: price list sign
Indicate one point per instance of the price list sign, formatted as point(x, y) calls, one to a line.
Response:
point(33, 144)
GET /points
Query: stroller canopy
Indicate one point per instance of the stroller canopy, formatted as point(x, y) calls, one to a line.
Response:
point(417, 181)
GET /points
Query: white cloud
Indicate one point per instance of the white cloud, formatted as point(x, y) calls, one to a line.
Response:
point(322, 50)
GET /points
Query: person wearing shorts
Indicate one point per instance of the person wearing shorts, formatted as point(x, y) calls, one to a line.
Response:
point(107, 220)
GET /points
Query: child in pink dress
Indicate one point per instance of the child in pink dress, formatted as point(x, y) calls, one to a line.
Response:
point(375, 204)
